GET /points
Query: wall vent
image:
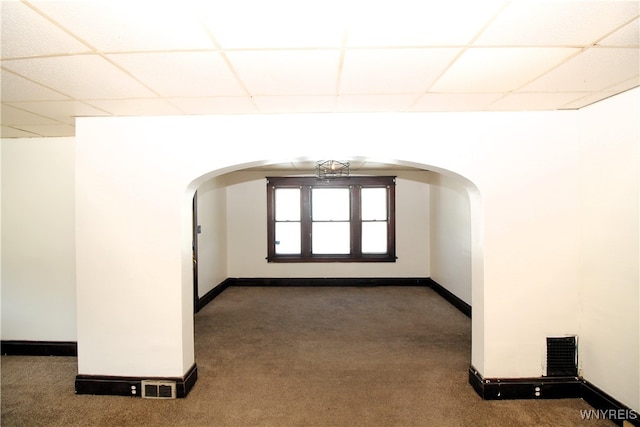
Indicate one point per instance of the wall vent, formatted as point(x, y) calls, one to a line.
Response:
point(154, 389)
point(562, 357)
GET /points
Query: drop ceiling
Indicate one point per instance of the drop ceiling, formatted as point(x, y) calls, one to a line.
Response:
point(66, 59)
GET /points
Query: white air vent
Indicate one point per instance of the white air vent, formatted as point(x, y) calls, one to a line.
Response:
point(154, 389)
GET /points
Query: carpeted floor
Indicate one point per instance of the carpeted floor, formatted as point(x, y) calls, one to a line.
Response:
point(300, 356)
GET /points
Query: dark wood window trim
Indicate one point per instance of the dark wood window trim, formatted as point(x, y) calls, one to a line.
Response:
point(355, 184)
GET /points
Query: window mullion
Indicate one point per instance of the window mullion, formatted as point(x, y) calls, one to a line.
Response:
point(271, 224)
point(305, 218)
point(391, 217)
point(356, 221)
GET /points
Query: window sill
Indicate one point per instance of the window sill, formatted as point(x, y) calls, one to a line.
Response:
point(335, 258)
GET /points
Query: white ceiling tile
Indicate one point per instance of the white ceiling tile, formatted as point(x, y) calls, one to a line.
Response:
point(135, 107)
point(594, 97)
point(498, 69)
point(374, 103)
point(455, 101)
point(413, 23)
point(16, 88)
point(534, 101)
point(287, 72)
point(182, 74)
point(392, 70)
point(586, 100)
point(92, 77)
point(557, 23)
point(284, 56)
point(52, 130)
point(274, 24)
point(120, 25)
point(215, 105)
point(25, 33)
point(11, 132)
point(62, 111)
point(629, 35)
point(593, 70)
point(15, 116)
point(295, 104)
point(624, 86)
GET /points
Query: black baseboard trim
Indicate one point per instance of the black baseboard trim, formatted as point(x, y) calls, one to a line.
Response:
point(39, 348)
point(524, 388)
point(331, 281)
point(311, 282)
point(613, 410)
point(552, 388)
point(131, 386)
point(336, 281)
point(210, 296)
point(453, 300)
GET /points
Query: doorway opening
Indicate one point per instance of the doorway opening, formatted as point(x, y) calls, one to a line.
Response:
point(232, 238)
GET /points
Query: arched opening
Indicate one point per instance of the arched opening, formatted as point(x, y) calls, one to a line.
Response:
point(457, 261)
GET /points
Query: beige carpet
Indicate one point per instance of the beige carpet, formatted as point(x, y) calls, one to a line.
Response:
point(300, 356)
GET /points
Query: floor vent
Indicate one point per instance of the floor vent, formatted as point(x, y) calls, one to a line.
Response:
point(562, 357)
point(153, 389)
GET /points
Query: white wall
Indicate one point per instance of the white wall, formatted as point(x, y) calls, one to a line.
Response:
point(555, 220)
point(524, 165)
point(212, 241)
point(451, 235)
point(247, 228)
point(134, 270)
point(609, 339)
point(38, 249)
point(530, 195)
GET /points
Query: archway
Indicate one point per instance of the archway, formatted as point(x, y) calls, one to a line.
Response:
point(475, 248)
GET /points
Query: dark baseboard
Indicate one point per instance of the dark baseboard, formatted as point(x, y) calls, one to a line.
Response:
point(311, 281)
point(39, 348)
point(552, 388)
point(525, 388)
point(331, 281)
point(131, 386)
point(613, 410)
point(337, 281)
point(453, 300)
point(209, 296)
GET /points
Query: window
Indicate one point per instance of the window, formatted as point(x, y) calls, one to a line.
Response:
point(331, 220)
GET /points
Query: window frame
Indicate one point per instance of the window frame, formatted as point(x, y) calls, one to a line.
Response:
point(355, 184)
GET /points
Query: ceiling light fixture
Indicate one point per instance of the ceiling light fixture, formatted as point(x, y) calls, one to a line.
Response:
point(332, 169)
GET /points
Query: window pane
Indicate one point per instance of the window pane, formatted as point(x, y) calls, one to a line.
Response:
point(374, 204)
point(287, 204)
point(287, 237)
point(331, 238)
point(330, 204)
point(374, 237)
